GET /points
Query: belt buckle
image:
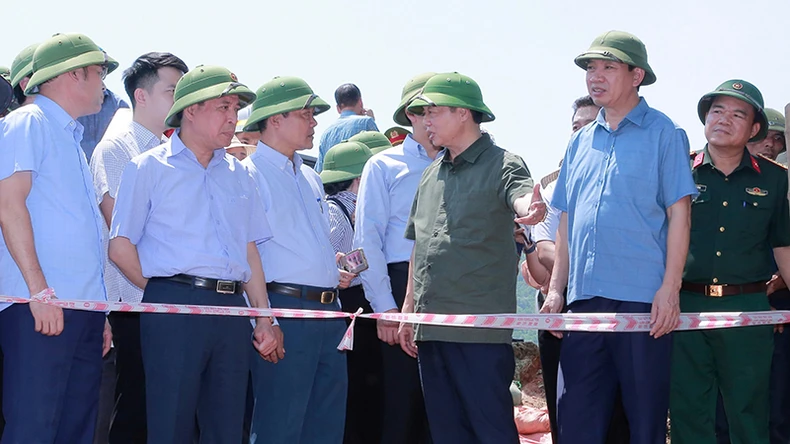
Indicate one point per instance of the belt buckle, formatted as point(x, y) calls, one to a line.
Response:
point(226, 287)
point(715, 291)
point(327, 297)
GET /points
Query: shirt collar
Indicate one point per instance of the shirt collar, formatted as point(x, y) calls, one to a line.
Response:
point(57, 114)
point(277, 158)
point(145, 138)
point(474, 151)
point(176, 146)
point(414, 148)
point(346, 113)
point(747, 160)
point(635, 116)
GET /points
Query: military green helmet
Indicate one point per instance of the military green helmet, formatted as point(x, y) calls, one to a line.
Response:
point(620, 47)
point(743, 90)
point(5, 72)
point(344, 161)
point(776, 121)
point(281, 95)
point(22, 66)
point(62, 53)
point(205, 83)
point(411, 89)
point(451, 89)
point(374, 140)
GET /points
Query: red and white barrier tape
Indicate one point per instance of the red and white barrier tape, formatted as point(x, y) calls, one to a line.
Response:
point(590, 322)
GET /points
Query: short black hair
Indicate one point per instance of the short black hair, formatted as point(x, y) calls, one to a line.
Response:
point(582, 102)
point(330, 189)
point(19, 95)
point(262, 123)
point(347, 94)
point(144, 72)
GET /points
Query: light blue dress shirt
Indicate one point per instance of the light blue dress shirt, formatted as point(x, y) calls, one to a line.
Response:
point(386, 193)
point(616, 186)
point(293, 198)
point(43, 139)
point(348, 125)
point(185, 218)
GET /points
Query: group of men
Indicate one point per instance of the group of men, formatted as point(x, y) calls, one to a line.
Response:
point(161, 216)
point(636, 226)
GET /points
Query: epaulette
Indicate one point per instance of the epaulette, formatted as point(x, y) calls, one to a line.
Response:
point(549, 179)
point(761, 156)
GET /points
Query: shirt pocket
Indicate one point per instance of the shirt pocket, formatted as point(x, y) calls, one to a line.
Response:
point(703, 213)
point(467, 214)
point(754, 214)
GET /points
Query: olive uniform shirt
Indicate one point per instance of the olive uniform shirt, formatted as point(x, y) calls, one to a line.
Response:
point(736, 221)
point(465, 260)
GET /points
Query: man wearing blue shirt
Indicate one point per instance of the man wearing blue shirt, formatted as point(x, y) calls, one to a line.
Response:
point(301, 399)
point(624, 191)
point(386, 193)
point(52, 246)
point(185, 226)
point(354, 118)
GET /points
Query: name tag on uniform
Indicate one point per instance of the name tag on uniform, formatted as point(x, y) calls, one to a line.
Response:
point(756, 192)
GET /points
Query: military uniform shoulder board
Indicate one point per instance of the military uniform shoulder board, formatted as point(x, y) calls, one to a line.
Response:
point(784, 167)
point(697, 159)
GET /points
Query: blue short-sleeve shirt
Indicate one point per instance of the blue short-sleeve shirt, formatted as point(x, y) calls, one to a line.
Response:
point(616, 186)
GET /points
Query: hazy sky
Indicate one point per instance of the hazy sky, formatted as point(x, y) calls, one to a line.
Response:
point(520, 52)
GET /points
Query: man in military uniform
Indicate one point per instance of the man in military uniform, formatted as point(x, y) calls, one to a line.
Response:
point(741, 212)
point(774, 143)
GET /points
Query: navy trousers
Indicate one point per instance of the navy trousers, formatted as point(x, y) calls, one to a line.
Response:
point(50, 383)
point(195, 366)
point(404, 421)
point(467, 392)
point(594, 365)
point(302, 399)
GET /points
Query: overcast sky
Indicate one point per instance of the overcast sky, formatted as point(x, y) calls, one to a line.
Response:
point(520, 52)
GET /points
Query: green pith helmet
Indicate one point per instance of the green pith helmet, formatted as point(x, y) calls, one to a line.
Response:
point(22, 66)
point(776, 121)
point(205, 83)
point(62, 53)
point(281, 95)
point(743, 90)
point(396, 135)
point(451, 89)
point(411, 89)
point(621, 47)
point(374, 140)
point(5, 72)
point(344, 161)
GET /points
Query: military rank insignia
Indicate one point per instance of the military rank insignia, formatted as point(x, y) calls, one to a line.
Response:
point(756, 192)
point(702, 188)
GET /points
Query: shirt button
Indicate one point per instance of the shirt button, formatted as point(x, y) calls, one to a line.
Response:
point(435, 233)
point(721, 229)
point(428, 266)
point(724, 203)
point(715, 280)
point(726, 179)
point(755, 204)
point(718, 253)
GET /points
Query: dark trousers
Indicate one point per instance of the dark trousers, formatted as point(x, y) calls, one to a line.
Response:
point(128, 425)
point(302, 399)
point(405, 420)
point(2, 418)
point(106, 399)
point(467, 392)
point(363, 407)
point(51, 383)
point(594, 365)
point(195, 366)
point(549, 347)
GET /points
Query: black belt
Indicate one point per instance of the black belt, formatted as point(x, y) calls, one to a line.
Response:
point(318, 294)
point(718, 291)
point(218, 285)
